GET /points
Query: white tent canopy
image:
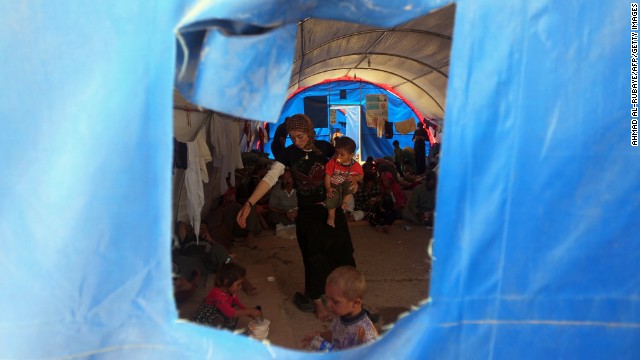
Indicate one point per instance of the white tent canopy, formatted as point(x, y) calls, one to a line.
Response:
point(413, 57)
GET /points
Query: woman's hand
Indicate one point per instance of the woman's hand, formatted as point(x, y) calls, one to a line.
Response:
point(244, 212)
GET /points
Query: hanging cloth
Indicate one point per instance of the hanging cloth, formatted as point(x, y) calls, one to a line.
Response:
point(260, 136)
point(248, 133)
point(225, 139)
point(204, 154)
point(370, 122)
point(405, 127)
point(380, 124)
point(193, 182)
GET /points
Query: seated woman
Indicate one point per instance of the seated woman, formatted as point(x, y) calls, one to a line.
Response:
point(206, 254)
point(283, 201)
point(369, 167)
point(421, 205)
point(391, 201)
point(410, 180)
point(367, 195)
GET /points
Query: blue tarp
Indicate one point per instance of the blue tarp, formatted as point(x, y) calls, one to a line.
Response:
point(355, 94)
point(536, 237)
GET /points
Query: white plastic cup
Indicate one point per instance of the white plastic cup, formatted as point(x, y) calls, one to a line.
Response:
point(259, 330)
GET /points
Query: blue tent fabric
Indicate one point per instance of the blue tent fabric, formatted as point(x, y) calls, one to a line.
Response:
point(536, 239)
point(355, 92)
point(265, 51)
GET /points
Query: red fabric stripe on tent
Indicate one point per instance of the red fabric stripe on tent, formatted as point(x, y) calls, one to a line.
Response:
point(390, 89)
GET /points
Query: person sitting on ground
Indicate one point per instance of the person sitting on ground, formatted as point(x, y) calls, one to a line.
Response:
point(225, 257)
point(367, 195)
point(389, 186)
point(369, 166)
point(231, 208)
point(391, 201)
point(409, 180)
point(221, 308)
point(419, 209)
point(283, 202)
point(408, 157)
point(385, 165)
point(351, 326)
point(339, 174)
point(206, 255)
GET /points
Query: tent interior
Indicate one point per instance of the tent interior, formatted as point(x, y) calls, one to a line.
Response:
point(412, 58)
point(341, 105)
point(339, 63)
point(336, 65)
point(534, 246)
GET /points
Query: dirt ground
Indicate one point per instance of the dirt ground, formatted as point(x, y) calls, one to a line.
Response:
point(395, 265)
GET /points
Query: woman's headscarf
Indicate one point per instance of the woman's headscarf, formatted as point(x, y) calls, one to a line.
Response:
point(302, 123)
point(393, 188)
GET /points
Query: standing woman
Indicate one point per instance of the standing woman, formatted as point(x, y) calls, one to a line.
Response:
point(419, 136)
point(323, 248)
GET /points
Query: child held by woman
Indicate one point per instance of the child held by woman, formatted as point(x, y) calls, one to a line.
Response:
point(340, 173)
point(221, 308)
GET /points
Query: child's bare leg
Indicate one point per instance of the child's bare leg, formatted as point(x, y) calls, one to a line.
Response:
point(332, 217)
point(345, 201)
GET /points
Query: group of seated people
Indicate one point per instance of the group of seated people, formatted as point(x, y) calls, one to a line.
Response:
point(279, 206)
point(381, 198)
point(196, 256)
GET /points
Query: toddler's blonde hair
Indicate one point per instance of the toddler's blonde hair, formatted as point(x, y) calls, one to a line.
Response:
point(349, 280)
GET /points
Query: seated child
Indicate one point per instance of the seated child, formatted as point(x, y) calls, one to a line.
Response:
point(208, 254)
point(221, 308)
point(340, 172)
point(344, 289)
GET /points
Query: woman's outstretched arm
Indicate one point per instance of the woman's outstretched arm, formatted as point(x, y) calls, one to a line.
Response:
point(263, 187)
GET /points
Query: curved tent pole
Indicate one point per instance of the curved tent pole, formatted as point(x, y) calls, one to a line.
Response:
point(423, 32)
point(391, 73)
point(378, 53)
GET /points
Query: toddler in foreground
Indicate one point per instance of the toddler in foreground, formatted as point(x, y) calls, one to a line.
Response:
point(345, 288)
point(221, 308)
point(339, 174)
